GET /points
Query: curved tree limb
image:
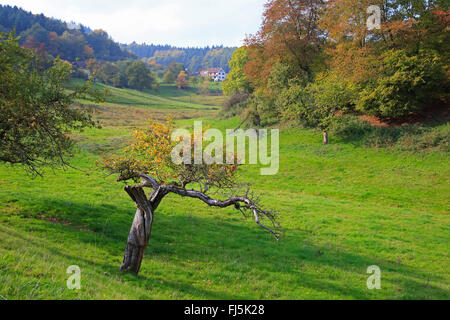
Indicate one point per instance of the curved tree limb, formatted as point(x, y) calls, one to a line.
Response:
point(239, 202)
point(149, 181)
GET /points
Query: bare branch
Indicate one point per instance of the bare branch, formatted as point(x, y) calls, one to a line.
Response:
point(248, 203)
point(149, 181)
point(240, 203)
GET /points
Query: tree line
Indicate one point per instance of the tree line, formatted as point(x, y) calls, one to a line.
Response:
point(194, 59)
point(313, 62)
point(94, 54)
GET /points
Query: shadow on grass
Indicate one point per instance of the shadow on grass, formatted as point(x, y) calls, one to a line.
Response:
point(229, 248)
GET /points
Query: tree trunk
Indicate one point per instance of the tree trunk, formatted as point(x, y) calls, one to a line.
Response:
point(139, 235)
point(325, 137)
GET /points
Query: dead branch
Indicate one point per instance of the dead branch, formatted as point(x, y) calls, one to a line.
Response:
point(241, 203)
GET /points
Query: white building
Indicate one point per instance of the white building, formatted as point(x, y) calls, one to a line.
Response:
point(221, 76)
point(216, 74)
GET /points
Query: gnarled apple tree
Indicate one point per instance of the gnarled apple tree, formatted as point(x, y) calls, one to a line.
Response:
point(148, 162)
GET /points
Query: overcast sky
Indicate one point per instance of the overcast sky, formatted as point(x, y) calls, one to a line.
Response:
point(174, 22)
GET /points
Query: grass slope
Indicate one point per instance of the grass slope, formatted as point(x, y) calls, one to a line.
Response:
point(343, 208)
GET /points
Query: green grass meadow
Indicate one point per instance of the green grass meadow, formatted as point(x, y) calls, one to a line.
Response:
point(342, 207)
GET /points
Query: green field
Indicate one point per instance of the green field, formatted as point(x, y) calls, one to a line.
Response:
point(343, 208)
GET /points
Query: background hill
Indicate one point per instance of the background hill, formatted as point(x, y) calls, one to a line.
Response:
point(54, 37)
point(72, 42)
point(97, 51)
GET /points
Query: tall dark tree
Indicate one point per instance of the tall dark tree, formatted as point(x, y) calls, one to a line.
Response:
point(140, 76)
point(289, 34)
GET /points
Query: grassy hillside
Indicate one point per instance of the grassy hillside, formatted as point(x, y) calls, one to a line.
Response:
point(343, 207)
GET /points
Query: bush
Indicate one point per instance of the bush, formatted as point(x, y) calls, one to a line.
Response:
point(262, 110)
point(351, 127)
point(385, 137)
point(406, 138)
point(313, 104)
point(252, 116)
point(334, 92)
point(290, 103)
point(235, 104)
point(168, 77)
point(406, 83)
point(430, 139)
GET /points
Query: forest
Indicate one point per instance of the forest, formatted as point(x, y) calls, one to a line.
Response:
point(54, 38)
point(94, 53)
point(193, 59)
point(321, 64)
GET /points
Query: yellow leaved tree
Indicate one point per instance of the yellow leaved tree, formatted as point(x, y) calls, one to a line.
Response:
point(150, 159)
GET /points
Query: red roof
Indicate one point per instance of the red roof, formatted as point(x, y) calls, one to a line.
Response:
point(213, 70)
point(210, 70)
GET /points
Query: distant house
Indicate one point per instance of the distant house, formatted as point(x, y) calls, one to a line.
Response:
point(216, 74)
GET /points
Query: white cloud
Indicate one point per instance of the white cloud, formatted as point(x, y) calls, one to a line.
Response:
point(176, 22)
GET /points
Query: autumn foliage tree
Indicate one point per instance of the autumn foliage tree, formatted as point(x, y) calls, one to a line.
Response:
point(283, 54)
point(182, 80)
point(236, 81)
point(150, 160)
point(169, 77)
point(313, 61)
point(289, 34)
point(399, 67)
